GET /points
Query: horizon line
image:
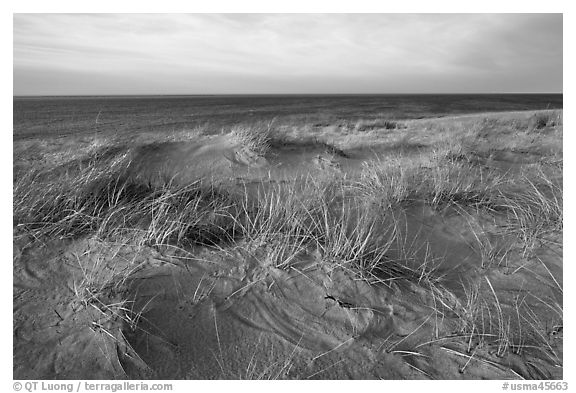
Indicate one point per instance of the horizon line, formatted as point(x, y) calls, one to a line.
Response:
point(269, 94)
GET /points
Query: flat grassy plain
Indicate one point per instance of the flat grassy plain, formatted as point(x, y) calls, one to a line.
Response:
point(279, 248)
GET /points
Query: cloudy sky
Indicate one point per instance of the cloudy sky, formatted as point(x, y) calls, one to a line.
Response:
point(86, 54)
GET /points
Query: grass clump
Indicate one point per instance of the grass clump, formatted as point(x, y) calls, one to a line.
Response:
point(399, 181)
point(378, 124)
point(535, 212)
point(274, 223)
point(256, 138)
point(487, 323)
point(541, 120)
point(108, 201)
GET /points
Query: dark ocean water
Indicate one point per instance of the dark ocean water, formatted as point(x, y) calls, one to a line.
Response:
point(59, 116)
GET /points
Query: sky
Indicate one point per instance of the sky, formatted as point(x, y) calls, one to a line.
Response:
point(104, 54)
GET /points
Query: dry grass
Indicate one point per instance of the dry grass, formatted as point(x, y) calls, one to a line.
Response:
point(256, 138)
point(351, 224)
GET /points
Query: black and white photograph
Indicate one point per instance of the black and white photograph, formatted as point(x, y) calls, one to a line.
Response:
point(287, 196)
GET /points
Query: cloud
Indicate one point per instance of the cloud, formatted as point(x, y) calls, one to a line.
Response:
point(276, 53)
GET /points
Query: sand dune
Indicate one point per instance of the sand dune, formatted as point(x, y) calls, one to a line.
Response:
point(382, 254)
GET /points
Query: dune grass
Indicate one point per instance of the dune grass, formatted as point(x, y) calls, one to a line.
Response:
point(257, 138)
point(346, 223)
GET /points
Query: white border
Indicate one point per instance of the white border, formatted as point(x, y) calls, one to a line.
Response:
point(300, 6)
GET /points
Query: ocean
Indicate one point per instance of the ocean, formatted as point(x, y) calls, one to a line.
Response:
point(45, 117)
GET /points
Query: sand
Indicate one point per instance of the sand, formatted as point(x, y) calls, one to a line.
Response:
point(231, 313)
